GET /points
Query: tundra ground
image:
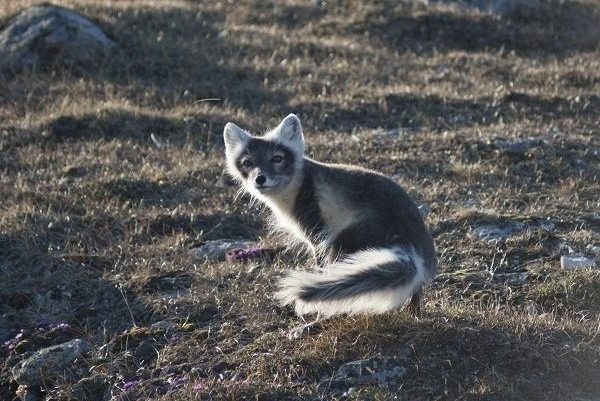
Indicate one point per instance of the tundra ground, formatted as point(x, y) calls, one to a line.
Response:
point(493, 122)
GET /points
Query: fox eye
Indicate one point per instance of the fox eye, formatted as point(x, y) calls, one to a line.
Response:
point(277, 159)
point(247, 163)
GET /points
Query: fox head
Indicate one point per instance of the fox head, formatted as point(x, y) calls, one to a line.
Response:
point(265, 165)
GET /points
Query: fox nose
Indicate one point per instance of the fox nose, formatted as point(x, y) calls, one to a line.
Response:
point(261, 179)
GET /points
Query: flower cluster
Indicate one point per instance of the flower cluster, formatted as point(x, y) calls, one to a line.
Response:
point(12, 343)
point(242, 255)
point(131, 384)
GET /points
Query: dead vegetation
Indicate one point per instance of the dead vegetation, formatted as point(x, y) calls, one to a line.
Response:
point(486, 119)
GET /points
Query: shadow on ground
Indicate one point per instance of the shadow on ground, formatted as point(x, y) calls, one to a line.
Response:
point(410, 111)
point(182, 56)
point(553, 30)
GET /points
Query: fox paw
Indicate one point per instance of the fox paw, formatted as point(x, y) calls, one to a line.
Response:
point(298, 332)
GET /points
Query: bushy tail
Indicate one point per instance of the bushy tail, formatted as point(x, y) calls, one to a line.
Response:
point(370, 281)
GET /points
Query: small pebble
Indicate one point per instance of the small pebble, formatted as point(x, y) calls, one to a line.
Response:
point(595, 249)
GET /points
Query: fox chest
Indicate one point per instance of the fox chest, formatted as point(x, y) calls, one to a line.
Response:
point(321, 213)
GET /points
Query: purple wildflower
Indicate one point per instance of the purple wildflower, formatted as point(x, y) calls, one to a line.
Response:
point(131, 384)
point(242, 255)
point(45, 325)
point(178, 381)
point(12, 343)
point(175, 338)
point(62, 327)
point(200, 385)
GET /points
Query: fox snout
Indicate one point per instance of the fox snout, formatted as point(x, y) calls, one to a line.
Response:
point(265, 183)
point(260, 179)
point(257, 177)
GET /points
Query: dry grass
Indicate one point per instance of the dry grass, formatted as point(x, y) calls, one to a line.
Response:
point(96, 221)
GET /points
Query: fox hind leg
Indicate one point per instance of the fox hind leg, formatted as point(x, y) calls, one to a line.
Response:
point(414, 305)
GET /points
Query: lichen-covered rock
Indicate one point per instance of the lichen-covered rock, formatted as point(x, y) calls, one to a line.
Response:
point(47, 34)
point(48, 363)
point(90, 388)
point(499, 232)
point(493, 233)
point(217, 249)
point(381, 371)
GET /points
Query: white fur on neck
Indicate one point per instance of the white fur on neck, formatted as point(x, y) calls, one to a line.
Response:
point(281, 206)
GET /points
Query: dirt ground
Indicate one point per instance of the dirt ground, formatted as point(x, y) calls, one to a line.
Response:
point(492, 122)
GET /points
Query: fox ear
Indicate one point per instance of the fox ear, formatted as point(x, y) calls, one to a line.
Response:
point(234, 136)
point(289, 132)
point(290, 129)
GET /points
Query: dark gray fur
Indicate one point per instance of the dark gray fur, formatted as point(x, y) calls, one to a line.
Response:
point(306, 209)
point(381, 277)
point(260, 151)
point(389, 218)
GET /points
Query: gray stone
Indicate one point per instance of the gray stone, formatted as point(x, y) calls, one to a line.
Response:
point(519, 147)
point(48, 363)
point(424, 210)
point(572, 262)
point(492, 233)
point(145, 352)
point(217, 249)
point(90, 388)
point(595, 249)
point(377, 370)
point(164, 325)
point(47, 34)
point(519, 278)
point(504, 7)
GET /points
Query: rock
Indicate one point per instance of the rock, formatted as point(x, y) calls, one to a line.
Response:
point(508, 7)
point(518, 278)
point(167, 281)
point(573, 262)
point(519, 147)
point(217, 249)
point(46, 34)
point(90, 388)
point(145, 352)
point(424, 210)
point(492, 233)
point(164, 325)
point(505, 7)
point(129, 339)
point(565, 248)
point(595, 249)
point(377, 370)
point(48, 363)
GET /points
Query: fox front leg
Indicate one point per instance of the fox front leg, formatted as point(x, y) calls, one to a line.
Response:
point(297, 332)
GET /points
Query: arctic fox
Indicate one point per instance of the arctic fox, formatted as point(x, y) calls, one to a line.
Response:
point(369, 240)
